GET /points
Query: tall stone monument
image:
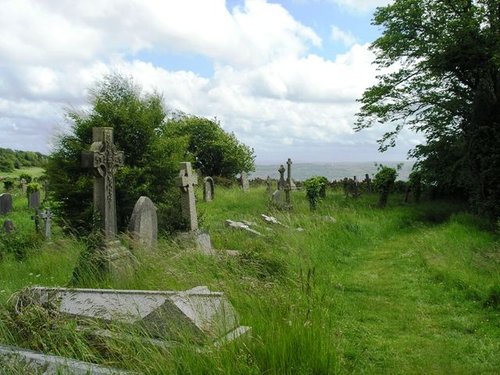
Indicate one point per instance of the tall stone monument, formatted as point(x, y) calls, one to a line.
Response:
point(104, 159)
point(186, 181)
point(288, 185)
point(281, 181)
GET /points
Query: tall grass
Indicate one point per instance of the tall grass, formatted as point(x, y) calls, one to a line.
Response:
point(407, 289)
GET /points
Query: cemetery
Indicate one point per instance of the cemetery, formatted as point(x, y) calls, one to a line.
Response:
point(252, 284)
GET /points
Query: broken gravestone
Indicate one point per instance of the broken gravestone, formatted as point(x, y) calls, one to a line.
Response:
point(208, 189)
point(197, 315)
point(5, 203)
point(243, 226)
point(143, 224)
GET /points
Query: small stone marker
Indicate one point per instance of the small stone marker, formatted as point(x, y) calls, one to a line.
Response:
point(144, 223)
point(281, 181)
point(8, 226)
point(104, 159)
point(46, 216)
point(245, 184)
point(31, 362)
point(186, 181)
point(240, 225)
point(5, 203)
point(34, 199)
point(202, 316)
point(208, 189)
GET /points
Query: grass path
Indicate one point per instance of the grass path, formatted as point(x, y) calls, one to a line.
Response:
point(404, 320)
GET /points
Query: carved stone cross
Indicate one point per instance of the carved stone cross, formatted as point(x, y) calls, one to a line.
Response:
point(46, 216)
point(281, 181)
point(186, 181)
point(104, 159)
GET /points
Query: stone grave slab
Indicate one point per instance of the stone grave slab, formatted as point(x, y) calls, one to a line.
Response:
point(243, 226)
point(5, 203)
point(198, 315)
point(144, 223)
point(198, 240)
point(31, 362)
point(208, 189)
point(34, 200)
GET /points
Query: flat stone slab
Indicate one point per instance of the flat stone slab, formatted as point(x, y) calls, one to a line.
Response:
point(198, 314)
point(243, 226)
point(35, 362)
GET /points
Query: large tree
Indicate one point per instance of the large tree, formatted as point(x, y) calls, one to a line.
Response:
point(440, 76)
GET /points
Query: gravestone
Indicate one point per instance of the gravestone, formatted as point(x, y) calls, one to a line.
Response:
point(368, 182)
point(5, 203)
point(104, 159)
point(288, 185)
point(8, 226)
point(198, 315)
point(34, 200)
point(186, 181)
point(46, 216)
point(23, 185)
point(243, 226)
point(208, 189)
point(36, 218)
point(144, 223)
point(355, 188)
point(23, 361)
point(245, 184)
point(278, 199)
point(281, 181)
point(269, 187)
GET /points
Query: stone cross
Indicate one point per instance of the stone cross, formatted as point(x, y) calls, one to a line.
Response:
point(46, 216)
point(288, 185)
point(186, 181)
point(104, 159)
point(281, 181)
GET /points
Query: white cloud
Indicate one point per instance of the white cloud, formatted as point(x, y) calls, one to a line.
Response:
point(361, 5)
point(345, 37)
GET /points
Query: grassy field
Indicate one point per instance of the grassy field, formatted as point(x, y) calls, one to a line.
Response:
point(411, 289)
point(32, 171)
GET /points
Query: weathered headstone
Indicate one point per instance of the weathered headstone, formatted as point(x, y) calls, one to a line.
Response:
point(288, 185)
point(5, 203)
point(208, 189)
point(281, 181)
point(186, 181)
point(199, 315)
point(8, 226)
point(23, 361)
point(144, 223)
point(245, 184)
point(46, 216)
point(34, 200)
point(278, 199)
point(104, 159)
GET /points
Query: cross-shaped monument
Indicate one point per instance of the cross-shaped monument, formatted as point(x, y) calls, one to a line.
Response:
point(288, 185)
point(104, 159)
point(186, 181)
point(281, 181)
point(46, 216)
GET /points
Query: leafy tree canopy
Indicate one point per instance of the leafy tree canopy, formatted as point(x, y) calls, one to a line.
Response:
point(440, 64)
point(215, 152)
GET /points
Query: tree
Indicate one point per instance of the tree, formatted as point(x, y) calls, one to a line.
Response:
point(384, 182)
point(215, 152)
point(440, 62)
point(151, 159)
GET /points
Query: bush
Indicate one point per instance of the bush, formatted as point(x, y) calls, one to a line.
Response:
point(33, 187)
point(26, 177)
point(315, 190)
point(8, 184)
point(384, 182)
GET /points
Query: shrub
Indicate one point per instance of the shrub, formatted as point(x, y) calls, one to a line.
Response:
point(315, 190)
point(8, 184)
point(26, 177)
point(384, 182)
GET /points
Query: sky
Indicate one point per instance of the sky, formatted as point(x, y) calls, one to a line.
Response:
point(283, 75)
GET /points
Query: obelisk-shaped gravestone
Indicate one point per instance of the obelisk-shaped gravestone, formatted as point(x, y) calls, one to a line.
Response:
point(186, 181)
point(104, 159)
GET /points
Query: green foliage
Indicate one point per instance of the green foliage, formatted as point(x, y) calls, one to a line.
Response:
point(216, 153)
point(10, 159)
point(8, 184)
point(27, 177)
point(151, 158)
point(20, 244)
point(442, 81)
point(33, 187)
point(384, 182)
point(315, 190)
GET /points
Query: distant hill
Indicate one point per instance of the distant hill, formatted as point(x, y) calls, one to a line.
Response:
point(15, 159)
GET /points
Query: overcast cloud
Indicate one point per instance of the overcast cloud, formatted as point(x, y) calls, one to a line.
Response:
point(270, 79)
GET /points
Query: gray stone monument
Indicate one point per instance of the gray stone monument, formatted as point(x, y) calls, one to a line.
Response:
point(8, 226)
point(104, 159)
point(186, 181)
point(288, 185)
point(5, 203)
point(46, 216)
point(34, 200)
point(144, 223)
point(245, 184)
point(281, 181)
point(23, 185)
point(208, 189)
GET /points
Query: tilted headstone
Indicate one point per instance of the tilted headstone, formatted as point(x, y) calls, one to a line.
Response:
point(199, 315)
point(281, 181)
point(208, 189)
point(34, 199)
point(5, 203)
point(31, 362)
point(104, 159)
point(46, 216)
point(245, 184)
point(8, 226)
point(144, 223)
point(186, 181)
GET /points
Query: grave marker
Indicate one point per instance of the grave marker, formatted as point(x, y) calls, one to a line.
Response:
point(34, 200)
point(281, 181)
point(208, 189)
point(144, 223)
point(5, 203)
point(245, 184)
point(288, 185)
point(186, 181)
point(46, 216)
point(8, 226)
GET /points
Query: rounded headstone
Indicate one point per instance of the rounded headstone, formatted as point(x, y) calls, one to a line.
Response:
point(144, 222)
